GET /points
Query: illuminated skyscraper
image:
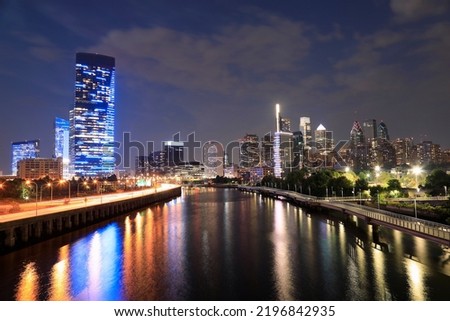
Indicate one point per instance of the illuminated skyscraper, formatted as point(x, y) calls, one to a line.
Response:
point(24, 150)
point(383, 131)
point(92, 118)
point(283, 148)
point(62, 129)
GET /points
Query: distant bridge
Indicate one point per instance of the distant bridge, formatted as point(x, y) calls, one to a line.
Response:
point(439, 233)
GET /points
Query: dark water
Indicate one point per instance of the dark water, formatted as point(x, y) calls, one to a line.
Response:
point(226, 245)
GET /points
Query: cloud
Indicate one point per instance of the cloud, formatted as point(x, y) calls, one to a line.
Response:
point(235, 59)
point(411, 10)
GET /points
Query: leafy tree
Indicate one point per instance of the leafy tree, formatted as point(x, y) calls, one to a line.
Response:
point(394, 184)
point(361, 185)
point(436, 181)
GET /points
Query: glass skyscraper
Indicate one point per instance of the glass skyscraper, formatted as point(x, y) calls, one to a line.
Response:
point(62, 128)
point(92, 117)
point(24, 150)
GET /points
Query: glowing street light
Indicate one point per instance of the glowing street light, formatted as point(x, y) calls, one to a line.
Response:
point(417, 171)
point(51, 190)
point(28, 183)
point(64, 181)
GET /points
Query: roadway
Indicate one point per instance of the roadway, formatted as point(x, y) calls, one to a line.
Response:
point(61, 205)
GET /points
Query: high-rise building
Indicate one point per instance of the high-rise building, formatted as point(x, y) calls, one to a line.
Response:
point(62, 131)
point(92, 117)
point(283, 148)
point(249, 155)
point(297, 144)
point(285, 125)
point(403, 150)
point(305, 128)
point(358, 151)
point(174, 152)
point(23, 150)
point(426, 153)
point(382, 131)
point(370, 130)
point(267, 150)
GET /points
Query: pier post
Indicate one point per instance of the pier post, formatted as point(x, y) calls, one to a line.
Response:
point(10, 239)
point(25, 230)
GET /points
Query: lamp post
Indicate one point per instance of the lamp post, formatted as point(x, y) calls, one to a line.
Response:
point(342, 192)
point(417, 171)
point(69, 183)
point(415, 208)
point(51, 190)
point(378, 199)
point(28, 183)
point(445, 191)
point(78, 187)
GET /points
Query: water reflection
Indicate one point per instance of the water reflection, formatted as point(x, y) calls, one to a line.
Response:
point(223, 244)
point(60, 278)
point(283, 273)
point(28, 287)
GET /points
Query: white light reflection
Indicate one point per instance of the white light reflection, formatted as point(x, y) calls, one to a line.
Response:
point(415, 274)
point(283, 270)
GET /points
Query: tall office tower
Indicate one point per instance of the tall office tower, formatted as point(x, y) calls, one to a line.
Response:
point(358, 152)
point(62, 129)
point(285, 124)
point(382, 131)
point(267, 150)
point(283, 148)
point(92, 117)
point(403, 150)
point(213, 155)
point(320, 137)
point(324, 144)
point(23, 150)
point(370, 129)
point(297, 145)
point(249, 155)
point(305, 128)
point(174, 152)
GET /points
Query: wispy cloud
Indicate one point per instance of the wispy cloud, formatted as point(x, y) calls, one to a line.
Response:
point(412, 10)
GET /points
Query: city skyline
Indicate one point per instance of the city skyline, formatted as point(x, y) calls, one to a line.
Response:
point(184, 71)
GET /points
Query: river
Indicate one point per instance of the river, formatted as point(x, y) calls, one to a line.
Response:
point(223, 244)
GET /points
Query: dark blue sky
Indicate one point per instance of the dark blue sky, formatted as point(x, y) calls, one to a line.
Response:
point(217, 68)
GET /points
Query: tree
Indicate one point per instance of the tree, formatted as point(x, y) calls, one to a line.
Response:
point(394, 184)
point(361, 185)
point(436, 182)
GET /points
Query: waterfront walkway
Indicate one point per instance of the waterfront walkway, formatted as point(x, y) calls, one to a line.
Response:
point(436, 232)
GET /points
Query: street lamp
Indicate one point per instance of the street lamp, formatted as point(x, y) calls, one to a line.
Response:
point(78, 187)
point(51, 190)
point(69, 183)
point(445, 191)
point(417, 171)
point(28, 183)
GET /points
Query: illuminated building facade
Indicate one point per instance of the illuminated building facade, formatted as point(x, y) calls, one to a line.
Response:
point(35, 168)
point(62, 131)
point(249, 155)
point(23, 150)
point(283, 148)
point(92, 118)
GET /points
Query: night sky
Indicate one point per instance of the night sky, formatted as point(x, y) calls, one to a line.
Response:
point(217, 68)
